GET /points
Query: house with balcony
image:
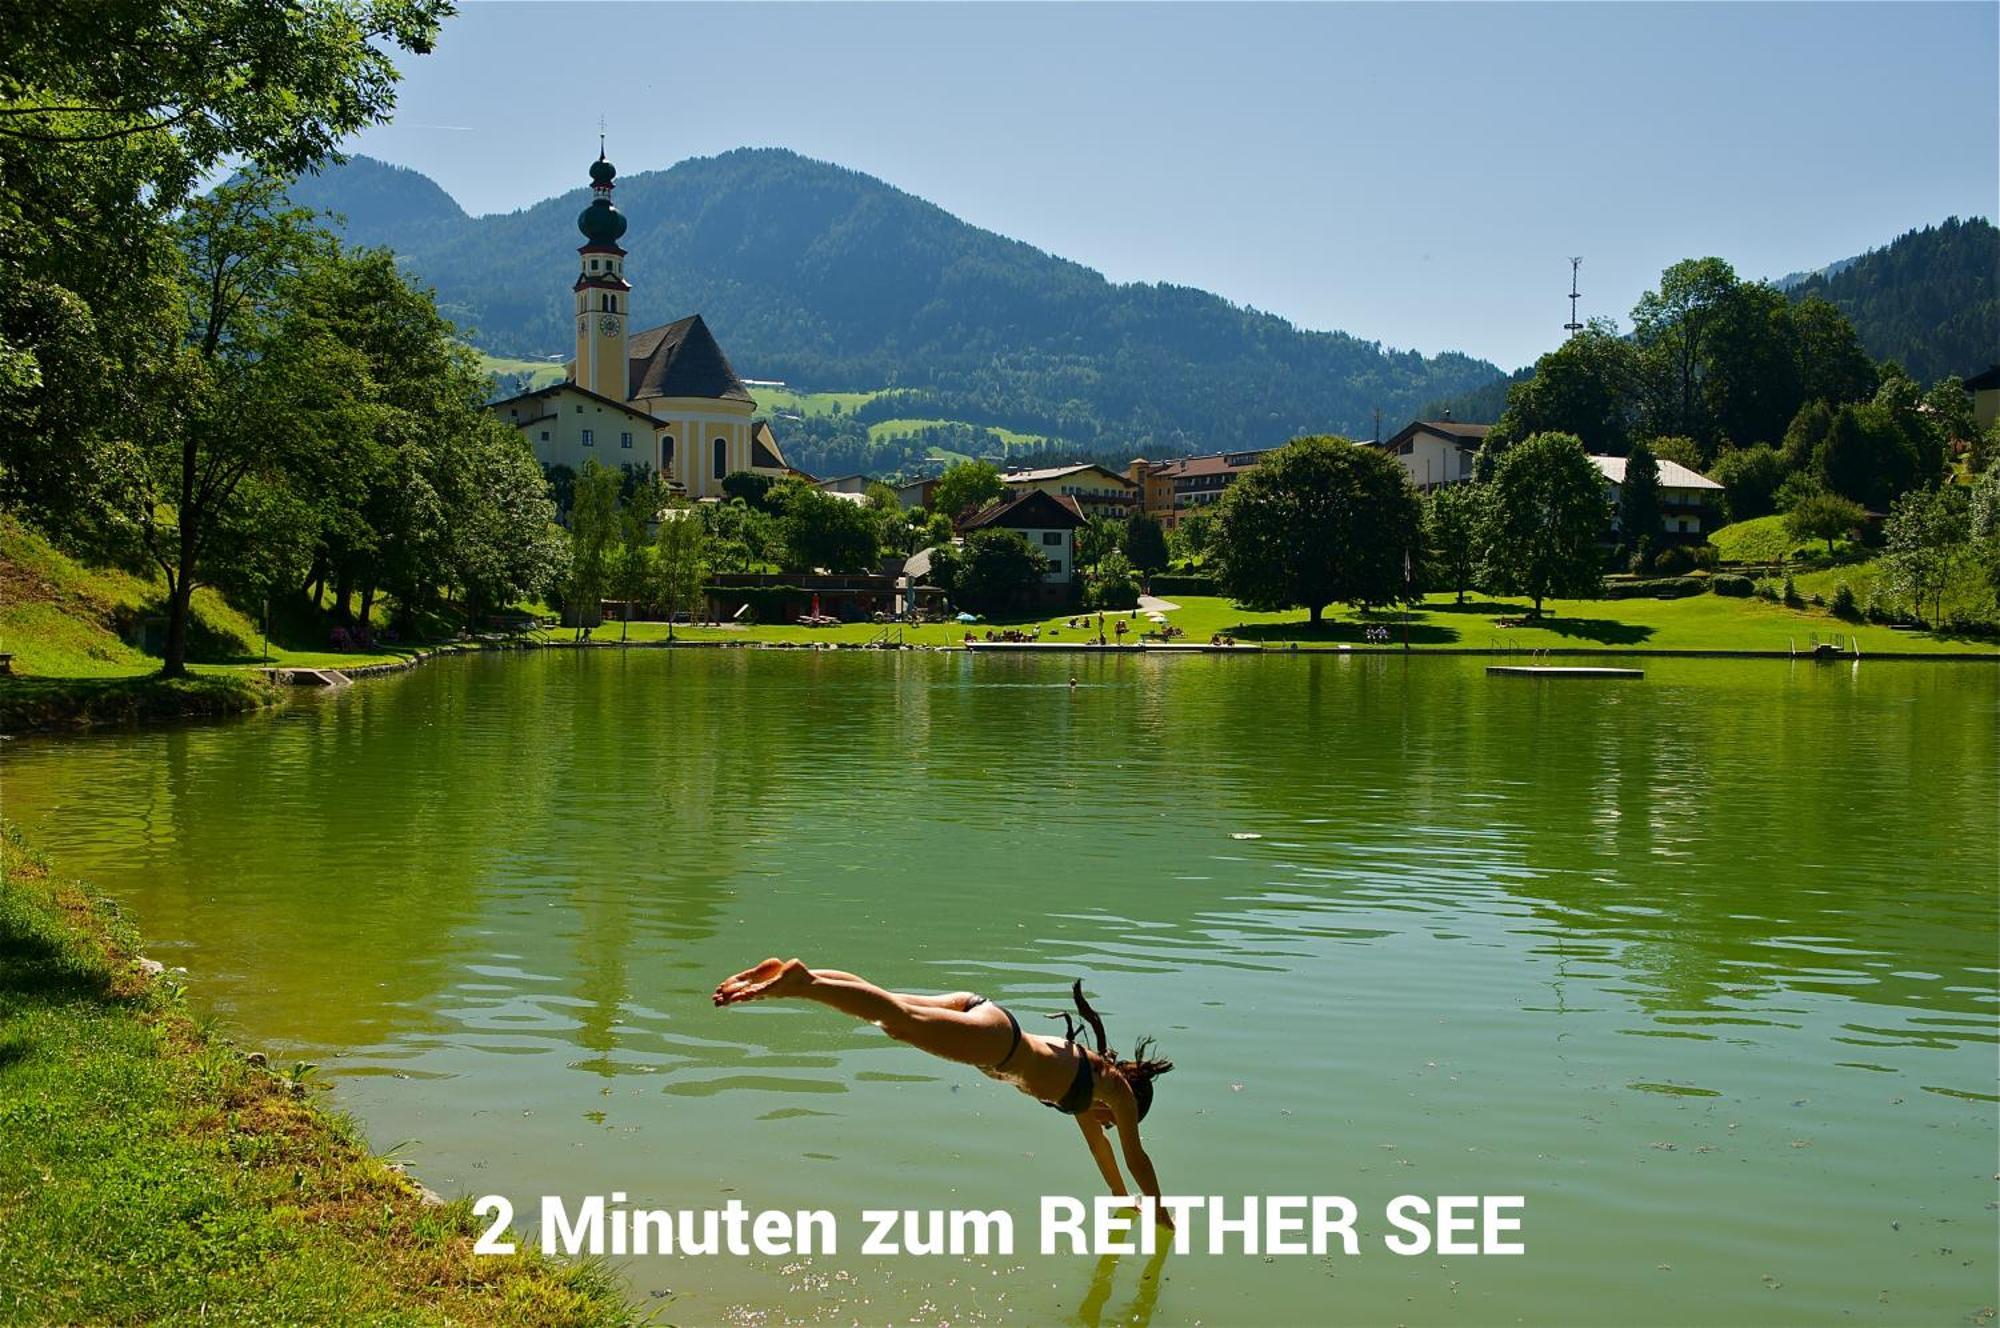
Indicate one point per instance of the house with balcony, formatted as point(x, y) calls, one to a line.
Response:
point(1095, 490)
point(1686, 496)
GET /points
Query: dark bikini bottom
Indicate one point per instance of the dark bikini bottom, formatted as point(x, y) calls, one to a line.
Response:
point(1081, 1089)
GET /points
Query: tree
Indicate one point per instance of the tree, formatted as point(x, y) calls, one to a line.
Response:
point(1832, 365)
point(965, 487)
point(1826, 516)
point(1751, 380)
point(749, 487)
point(632, 574)
point(1145, 543)
point(1808, 429)
point(257, 393)
point(1096, 537)
point(1586, 386)
point(1749, 477)
point(1454, 516)
point(1112, 583)
point(1927, 535)
point(1321, 519)
point(102, 141)
point(593, 525)
point(993, 571)
point(1545, 517)
point(1639, 498)
point(1984, 522)
point(1672, 326)
point(680, 562)
point(1193, 536)
point(1866, 455)
point(300, 78)
point(820, 529)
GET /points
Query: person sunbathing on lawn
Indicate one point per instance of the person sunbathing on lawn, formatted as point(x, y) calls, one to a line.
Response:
point(1098, 1088)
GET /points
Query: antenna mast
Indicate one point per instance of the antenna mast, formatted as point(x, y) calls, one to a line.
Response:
point(1572, 326)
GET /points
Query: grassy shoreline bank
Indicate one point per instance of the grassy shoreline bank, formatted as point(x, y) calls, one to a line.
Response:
point(152, 1172)
point(42, 705)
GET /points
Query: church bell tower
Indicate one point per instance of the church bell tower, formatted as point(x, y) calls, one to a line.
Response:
point(603, 296)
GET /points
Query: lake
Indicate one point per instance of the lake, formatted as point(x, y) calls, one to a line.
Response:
point(1703, 965)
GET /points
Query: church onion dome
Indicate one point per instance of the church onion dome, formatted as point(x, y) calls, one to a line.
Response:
point(602, 171)
point(601, 223)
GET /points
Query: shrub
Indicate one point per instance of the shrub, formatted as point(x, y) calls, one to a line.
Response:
point(1791, 593)
point(1960, 623)
point(1169, 584)
point(1705, 556)
point(1674, 560)
point(1844, 603)
point(1767, 588)
point(1736, 587)
point(1111, 584)
point(1672, 587)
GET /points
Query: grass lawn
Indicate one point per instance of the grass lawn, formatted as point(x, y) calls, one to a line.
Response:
point(1013, 438)
point(1699, 622)
point(541, 373)
point(783, 400)
point(153, 1173)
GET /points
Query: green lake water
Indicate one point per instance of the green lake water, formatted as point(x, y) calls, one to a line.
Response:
point(1704, 965)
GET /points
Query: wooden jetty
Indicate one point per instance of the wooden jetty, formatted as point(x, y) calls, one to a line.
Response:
point(1562, 671)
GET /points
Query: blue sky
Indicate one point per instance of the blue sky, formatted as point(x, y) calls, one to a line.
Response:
point(1416, 174)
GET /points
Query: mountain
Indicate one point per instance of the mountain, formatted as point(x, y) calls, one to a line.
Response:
point(1833, 269)
point(834, 281)
point(1930, 299)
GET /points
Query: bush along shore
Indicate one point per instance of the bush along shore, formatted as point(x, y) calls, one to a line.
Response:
point(151, 1172)
point(31, 705)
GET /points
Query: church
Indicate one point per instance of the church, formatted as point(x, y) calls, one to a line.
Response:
point(664, 398)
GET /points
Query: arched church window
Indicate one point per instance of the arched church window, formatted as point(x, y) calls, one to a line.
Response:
point(666, 450)
point(721, 457)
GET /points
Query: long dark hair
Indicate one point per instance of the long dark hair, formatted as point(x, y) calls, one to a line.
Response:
point(1140, 1071)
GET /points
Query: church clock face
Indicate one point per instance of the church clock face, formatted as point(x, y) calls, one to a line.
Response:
point(608, 325)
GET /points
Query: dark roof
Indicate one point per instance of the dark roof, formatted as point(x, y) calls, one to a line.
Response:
point(764, 448)
point(1033, 509)
point(1984, 382)
point(566, 386)
point(682, 360)
point(1465, 435)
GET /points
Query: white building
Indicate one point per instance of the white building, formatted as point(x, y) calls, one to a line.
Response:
point(1437, 452)
point(1049, 524)
point(1685, 495)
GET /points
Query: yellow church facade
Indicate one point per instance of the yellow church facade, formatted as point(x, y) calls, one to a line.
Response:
point(663, 399)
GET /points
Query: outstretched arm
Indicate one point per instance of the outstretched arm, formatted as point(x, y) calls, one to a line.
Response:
point(1100, 1152)
point(1125, 1111)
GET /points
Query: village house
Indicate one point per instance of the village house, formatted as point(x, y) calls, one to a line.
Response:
point(1170, 490)
point(1685, 495)
point(1049, 524)
point(1985, 390)
point(1437, 452)
point(1096, 490)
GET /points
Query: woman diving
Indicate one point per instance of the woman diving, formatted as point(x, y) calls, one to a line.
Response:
point(1096, 1087)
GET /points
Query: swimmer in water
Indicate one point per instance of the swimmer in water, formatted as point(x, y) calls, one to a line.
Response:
point(1072, 682)
point(1098, 1088)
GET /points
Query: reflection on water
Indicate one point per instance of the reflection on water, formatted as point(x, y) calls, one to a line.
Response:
point(1703, 965)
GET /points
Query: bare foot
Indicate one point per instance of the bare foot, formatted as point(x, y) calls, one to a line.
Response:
point(774, 977)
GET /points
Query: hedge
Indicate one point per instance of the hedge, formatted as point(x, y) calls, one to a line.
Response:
point(1183, 583)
